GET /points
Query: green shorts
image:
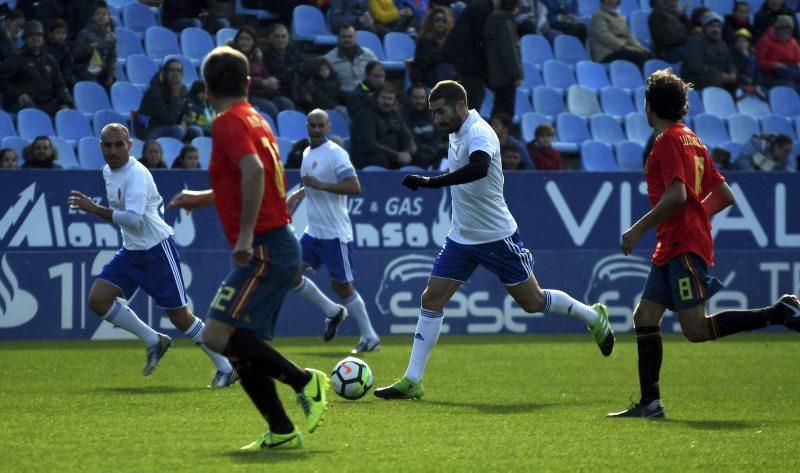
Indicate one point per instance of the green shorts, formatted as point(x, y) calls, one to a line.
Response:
point(680, 284)
point(250, 297)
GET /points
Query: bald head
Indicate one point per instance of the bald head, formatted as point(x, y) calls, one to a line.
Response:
point(115, 143)
point(318, 126)
point(318, 114)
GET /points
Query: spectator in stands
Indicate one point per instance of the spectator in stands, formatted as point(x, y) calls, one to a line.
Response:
point(510, 158)
point(532, 19)
point(295, 158)
point(430, 66)
point(188, 158)
point(696, 19)
point(31, 78)
point(320, 88)
point(768, 14)
point(778, 54)
point(350, 12)
point(464, 48)
point(563, 16)
point(152, 155)
point(610, 38)
point(165, 106)
point(419, 10)
point(58, 47)
point(502, 124)
point(179, 14)
point(670, 29)
point(765, 153)
point(10, 27)
point(739, 19)
point(360, 96)
point(504, 66)
point(379, 136)
point(41, 154)
point(265, 88)
point(200, 112)
point(545, 156)
point(722, 159)
point(76, 13)
point(349, 59)
point(708, 61)
point(95, 50)
point(284, 62)
point(391, 17)
point(431, 142)
point(745, 61)
point(8, 159)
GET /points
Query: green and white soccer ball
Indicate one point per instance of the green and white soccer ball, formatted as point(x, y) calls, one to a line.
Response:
point(351, 378)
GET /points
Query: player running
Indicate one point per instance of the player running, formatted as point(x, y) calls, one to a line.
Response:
point(148, 258)
point(685, 189)
point(248, 187)
point(482, 232)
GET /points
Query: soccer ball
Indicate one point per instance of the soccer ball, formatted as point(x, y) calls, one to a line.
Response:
point(351, 378)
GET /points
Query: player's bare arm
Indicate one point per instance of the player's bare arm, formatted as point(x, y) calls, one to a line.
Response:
point(79, 201)
point(189, 200)
point(674, 196)
point(294, 198)
point(252, 193)
point(720, 198)
point(477, 168)
point(349, 186)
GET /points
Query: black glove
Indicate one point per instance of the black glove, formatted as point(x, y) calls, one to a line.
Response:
point(414, 181)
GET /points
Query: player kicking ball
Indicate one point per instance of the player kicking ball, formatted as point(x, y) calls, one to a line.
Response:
point(148, 259)
point(328, 177)
point(685, 189)
point(482, 232)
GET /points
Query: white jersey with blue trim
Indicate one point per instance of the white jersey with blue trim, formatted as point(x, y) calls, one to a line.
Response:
point(480, 213)
point(131, 188)
point(327, 212)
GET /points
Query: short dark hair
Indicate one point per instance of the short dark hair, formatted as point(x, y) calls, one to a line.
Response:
point(57, 24)
point(780, 140)
point(387, 88)
point(344, 26)
point(667, 95)
point(186, 149)
point(449, 90)
point(507, 147)
point(226, 71)
point(504, 119)
point(371, 66)
point(15, 14)
point(544, 129)
point(509, 5)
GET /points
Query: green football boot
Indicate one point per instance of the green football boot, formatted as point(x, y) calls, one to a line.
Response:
point(601, 330)
point(313, 398)
point(403, 388)
point(268, 440)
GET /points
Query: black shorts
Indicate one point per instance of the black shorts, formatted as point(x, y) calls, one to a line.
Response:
point(680, 284)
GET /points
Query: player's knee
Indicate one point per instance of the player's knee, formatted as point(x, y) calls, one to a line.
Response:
point(342, 289)
point(696, 332)
point(297, 280)
point(432, 301)
point(533, 304)
point(100, 304)
point(215, 341)
point(642, 319)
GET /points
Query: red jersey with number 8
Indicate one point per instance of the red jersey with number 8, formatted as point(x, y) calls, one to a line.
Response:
point(678, 154)
point(236, 133)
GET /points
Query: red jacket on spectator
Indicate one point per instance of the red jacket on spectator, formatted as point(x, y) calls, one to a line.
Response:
point(545, 159)
point(771, 50)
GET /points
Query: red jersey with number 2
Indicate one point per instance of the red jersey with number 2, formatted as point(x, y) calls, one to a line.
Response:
point(236, 133)
point(679, 154)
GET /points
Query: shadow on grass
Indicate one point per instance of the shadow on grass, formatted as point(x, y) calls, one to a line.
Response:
point(149, 390)
point(516, 408)
point(712, 424)
point(271, 456)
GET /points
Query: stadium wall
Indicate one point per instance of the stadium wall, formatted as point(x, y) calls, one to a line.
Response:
point(572, 222)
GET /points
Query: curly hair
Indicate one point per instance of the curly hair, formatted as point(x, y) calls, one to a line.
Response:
point(667, 95)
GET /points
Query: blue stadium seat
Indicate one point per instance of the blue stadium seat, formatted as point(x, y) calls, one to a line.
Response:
point(535, 49)
point(616, 102)
point(124, 98)
point(733, 148)
point(32, 122)
point(587, 7)
point(742, 128)
point(224, 35)
point(368, 39)
point(203, 145)
point(292, 125)
point(639, 98)
point(339, 124)
point(528, 125)
point(137, 147)
point(127, 43)
point(777, 124)
point(755, 5)
point(591, 75)
point(531, 76)
point(259, 13)
point(569, 49)
point(189, 70)
point(141, 70)
point(629, 156)
point(652, 65)
point(582, 101)
point(284, 148)
point(120, 71)
point(271, 122)
point(195, 44)
point(160, 42)
point(137, 17)
point(547, 101)
point(719, 102)
point(16, 143)
point(627, 7)
point(522, 104)
point(66, 155)
point(606, 129)
point(597, 157)
point(118, 4)
point(558, 75)
point(89, 153)
point(171, 147)
point(104, 117)
point(374, 168)
point(711, 129)
point(308, 24)
point(487, 105)
point(723, 7)
point(645, 6)
point(72, 125)
point(626, 75)
point(90, 97)
point(637, 129)
point(399, 47)
point(571, 129)
point(695, 103)
point(639, 28)
point(753, 106)
point(784, 101)
point(6, 125)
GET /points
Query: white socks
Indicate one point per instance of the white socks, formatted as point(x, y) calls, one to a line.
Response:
point(123, 317)
point(558, 302)
point(428, 327)
point(195, 332)
point(356, 309)
point(310, 292)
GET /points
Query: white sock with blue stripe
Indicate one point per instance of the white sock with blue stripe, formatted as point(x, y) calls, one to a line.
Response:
point(310, 292)
point(195, 332)
point(428, 327)
point(123, 317)
point(356, 308)
point(560, 303)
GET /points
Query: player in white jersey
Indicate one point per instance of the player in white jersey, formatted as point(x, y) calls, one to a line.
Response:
point(328, 177)
point(482, 232)
point(148, 258)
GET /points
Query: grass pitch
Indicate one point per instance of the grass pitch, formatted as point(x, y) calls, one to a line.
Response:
point(510, 403)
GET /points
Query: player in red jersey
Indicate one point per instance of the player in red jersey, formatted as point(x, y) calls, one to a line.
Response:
point(685, 190)
point(248, 188)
